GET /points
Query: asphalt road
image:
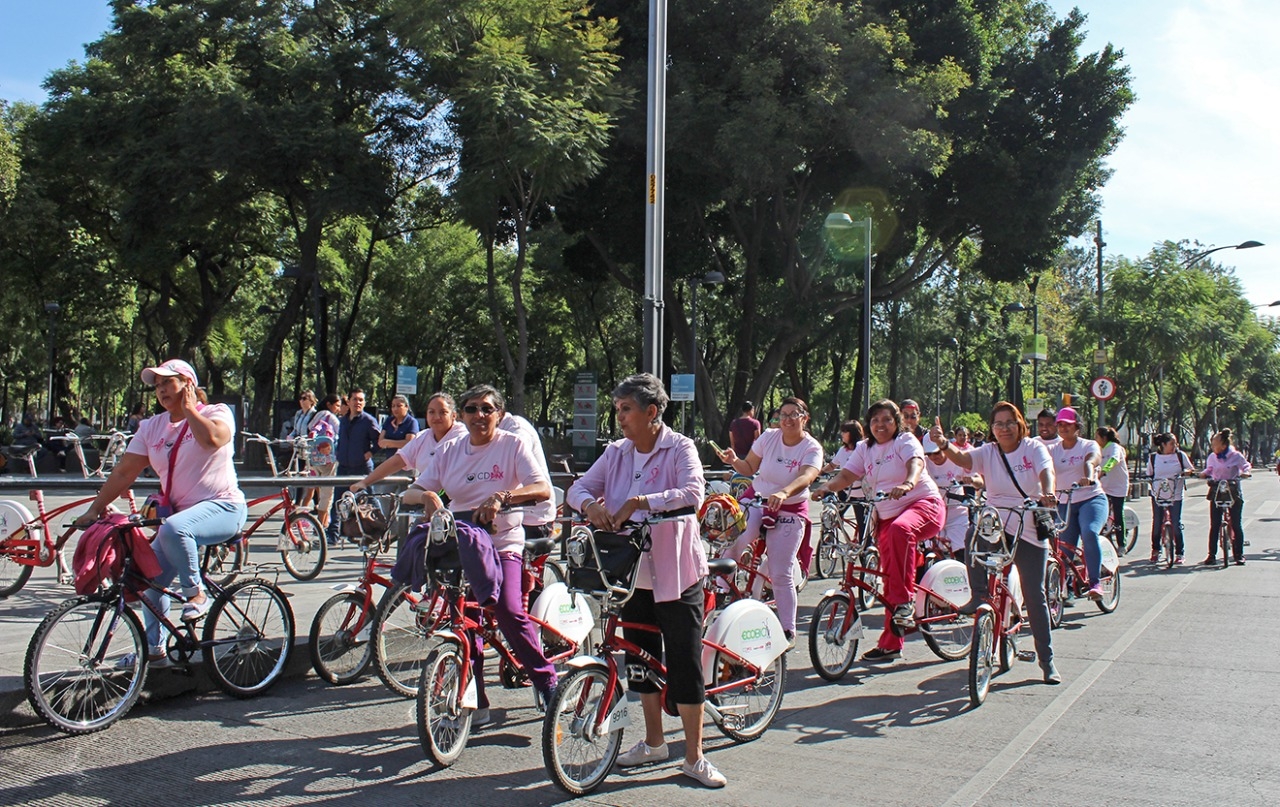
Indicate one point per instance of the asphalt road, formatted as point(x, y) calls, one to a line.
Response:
point(1172, 700)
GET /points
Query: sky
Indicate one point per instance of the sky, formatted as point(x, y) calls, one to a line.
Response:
point(1200, 159)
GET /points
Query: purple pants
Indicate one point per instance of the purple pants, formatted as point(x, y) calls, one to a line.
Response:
point(520, 632)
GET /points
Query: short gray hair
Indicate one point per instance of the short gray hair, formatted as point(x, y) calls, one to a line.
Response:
point(644, 389)
point(481, 391)
point(399, 399)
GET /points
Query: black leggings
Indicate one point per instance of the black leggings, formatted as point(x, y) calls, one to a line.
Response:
point(681, 624)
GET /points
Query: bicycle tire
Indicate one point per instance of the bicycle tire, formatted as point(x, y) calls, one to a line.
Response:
point(746, 712)
point(1008, 649)
point(65, 686)
point(400, 640)
point(13, 576)
point(224, 562)
point(576, 759)
point(949, 639)
point(1167, 544)
point(1225, 537)
point(248, 638)
point(1110, 592)
point(1054, 592)
point(1129, 529)
point(867, 596)
point(341, 651)
point(308, 548)
point(982, 656)
point(830, 648)
point(827, 559)
point(444, 725)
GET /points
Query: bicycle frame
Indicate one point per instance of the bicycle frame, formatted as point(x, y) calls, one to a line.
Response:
point(44, 551)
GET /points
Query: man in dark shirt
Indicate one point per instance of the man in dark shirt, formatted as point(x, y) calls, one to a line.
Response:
point(744, 431)
point(357, 438)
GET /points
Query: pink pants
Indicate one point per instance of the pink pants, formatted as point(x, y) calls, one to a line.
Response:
point(897, 539)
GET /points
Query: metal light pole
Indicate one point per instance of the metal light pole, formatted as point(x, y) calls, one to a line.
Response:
point(655, 159)
point(52, 309)
point(1242, 245)
point(843, 222)
point(1102, 340)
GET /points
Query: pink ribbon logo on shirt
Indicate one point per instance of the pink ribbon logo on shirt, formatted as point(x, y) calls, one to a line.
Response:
point(1024, 464)
point(789, 464)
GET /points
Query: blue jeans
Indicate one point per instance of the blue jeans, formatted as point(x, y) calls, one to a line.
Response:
point(177, 547)
point(1085, 519)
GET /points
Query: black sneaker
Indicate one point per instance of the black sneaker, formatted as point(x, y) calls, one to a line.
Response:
point(1209, 561)
point(1239, 561)
point(878, 655)
point(904, 615)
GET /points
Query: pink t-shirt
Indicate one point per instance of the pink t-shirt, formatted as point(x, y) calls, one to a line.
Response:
point(1068, 468)
point(1027, 460)
point(945, 476)
point(883, 466)
point(780, 463)
point(199, 474)
point(469, 474)
point(419, 452)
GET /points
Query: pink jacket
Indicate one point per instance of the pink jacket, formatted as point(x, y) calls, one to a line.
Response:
point(675, 480)
point(1229, 468)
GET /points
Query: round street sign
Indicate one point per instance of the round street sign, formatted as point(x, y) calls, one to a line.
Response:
point(1103, 388)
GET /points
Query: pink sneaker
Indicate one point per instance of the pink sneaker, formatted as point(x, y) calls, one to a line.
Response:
point(1095, 593)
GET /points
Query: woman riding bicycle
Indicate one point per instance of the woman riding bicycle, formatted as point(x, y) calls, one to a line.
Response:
point(1226, 464)
point(1113, 474)
point(892, 461)
point(1171, 465)
point(850, 435)
point(1014, 467)
point(442, 426)
point(189, 447)
point(1076, 462)
point(787, 460)
point(482, 473)
point(652, 470)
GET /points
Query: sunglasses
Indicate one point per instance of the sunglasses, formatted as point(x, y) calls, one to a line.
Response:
point(472, 409)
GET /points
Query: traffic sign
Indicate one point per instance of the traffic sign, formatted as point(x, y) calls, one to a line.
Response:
point(1103, 388)
point(682, 386)
point(1100, 356)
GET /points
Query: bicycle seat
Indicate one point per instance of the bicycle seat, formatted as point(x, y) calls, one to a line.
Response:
point(721, 567)
point(535, 547)
point(235, 539)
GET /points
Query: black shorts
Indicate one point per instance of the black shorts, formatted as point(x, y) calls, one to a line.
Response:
point(681, 624)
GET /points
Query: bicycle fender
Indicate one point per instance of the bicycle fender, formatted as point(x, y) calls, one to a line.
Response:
point(348, 586)
point(585, 662)
point(831, 592)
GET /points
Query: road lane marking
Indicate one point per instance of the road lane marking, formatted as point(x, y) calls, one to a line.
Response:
point(1019, 746)
point(1267, 508)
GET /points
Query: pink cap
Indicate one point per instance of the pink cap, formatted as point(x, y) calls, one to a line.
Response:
point(173, 367)
point(1066, 415)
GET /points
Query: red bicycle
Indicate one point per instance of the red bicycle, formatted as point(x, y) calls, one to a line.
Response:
point(301, 542)
point(28, 541)
point(1067, 576)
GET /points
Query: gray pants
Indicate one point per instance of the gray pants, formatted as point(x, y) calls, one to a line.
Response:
point(1031, 562)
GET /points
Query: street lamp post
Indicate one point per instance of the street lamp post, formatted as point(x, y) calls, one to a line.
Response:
point(711, 278)
point(947, 341)
point(1242, 245)
point(845, 222)
point(1034, 308)
point(52, 309)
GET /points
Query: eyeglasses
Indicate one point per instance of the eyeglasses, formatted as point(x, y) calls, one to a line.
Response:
point(790, 415)
point(472, 409)
point(1005, 424)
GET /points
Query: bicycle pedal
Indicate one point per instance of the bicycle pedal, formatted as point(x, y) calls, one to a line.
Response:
point(1026, 655)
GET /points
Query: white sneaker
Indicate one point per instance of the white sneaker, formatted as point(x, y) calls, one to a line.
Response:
point(704, 772)
point(641, 754)
point(480, 717)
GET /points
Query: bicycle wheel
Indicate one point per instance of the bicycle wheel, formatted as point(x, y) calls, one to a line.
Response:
point(1110, 592)
point(1130, 528)
point(576, 757)
point(443, 723)
point(13, 576)
point(1054, 588)
point(85, 665)
point(747, 710)
point(223, 563)
point(340, 646)
point(950, 635)
point(1224, 537)
point(1008, 649)
point(308, 549)
point(827, 558)
point(1167, 545)
point(831, 648)
point(870, 562)
point(400, 636)
point(248, 637)
point(982, 656)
